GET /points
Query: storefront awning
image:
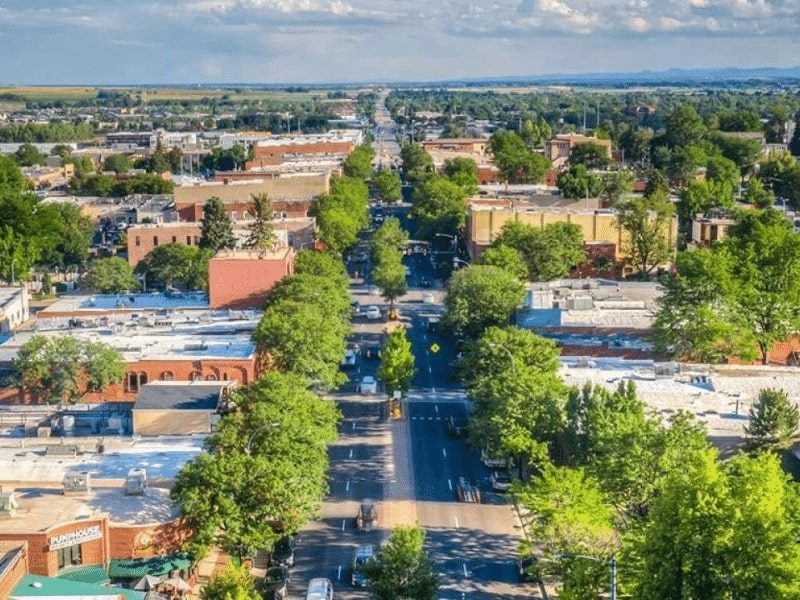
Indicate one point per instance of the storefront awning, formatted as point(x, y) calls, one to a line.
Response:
point(136, 568)
point(95, 575)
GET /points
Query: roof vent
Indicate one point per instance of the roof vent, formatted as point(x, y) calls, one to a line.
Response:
point(8, 504)
point(136, 482)
point(77, 483)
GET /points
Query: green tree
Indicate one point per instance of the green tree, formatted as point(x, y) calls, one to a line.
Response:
point(774, 421)
point(175, 265)
point(616, 187)
point(232, 583)
point(743, 152)
point(590, 155)
point(328, 294)
point(62, 150)
point(757, 194)
point(217, 230)
point(28, 155)
point(109, 276)
point(568, 515)
point(722, 170)
point(403, 570)
point(262, 232)
point(516, 162)
point(337, 229)
point(701, 196)
point(390, 235)
point(322, 264)
point(684, 127)
point(264, 474)
point(463, 171)
point(416, 163)
point(11, 178)
point(359, 163)
point(739, 120)
point(656, 181)
point(397, 362)
point(390, 275)
point(549, 252)
point(579, 183)
point(479, 296)
point(439, 207)
point(103, 365)
point(507, 258)
point(387, 185)
point(648, 223)
point(118, 163)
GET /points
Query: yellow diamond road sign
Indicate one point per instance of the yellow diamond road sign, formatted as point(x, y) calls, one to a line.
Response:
point(435, 348)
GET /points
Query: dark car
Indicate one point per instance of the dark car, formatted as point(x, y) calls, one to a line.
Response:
point(456, 427)
point(527, 571)
point(283, 552)
point(501, 481)
point(275, 584)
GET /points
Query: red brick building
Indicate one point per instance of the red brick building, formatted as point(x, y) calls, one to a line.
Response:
point(289, 209)
point(242, 279)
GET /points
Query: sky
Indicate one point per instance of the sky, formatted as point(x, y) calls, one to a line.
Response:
point(302, 41)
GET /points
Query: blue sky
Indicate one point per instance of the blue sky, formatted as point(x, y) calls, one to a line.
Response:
point(185, 41)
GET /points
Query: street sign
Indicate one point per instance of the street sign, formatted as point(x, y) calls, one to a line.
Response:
point(435, 347)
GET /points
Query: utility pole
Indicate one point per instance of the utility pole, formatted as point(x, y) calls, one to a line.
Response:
point(597, 122)
point(613, 578)
point(584, 118)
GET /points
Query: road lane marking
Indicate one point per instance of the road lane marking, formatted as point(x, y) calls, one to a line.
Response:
point(347, 486)
point(429, 369)
point(343, 523)
point(354, 425)
point(450, 484)
point(351, 453)
point(464, 565)
point(436, 408)
point(444, 452)
point(339, 573)
point(454, 519)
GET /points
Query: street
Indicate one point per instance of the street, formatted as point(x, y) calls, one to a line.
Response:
point(410, 466)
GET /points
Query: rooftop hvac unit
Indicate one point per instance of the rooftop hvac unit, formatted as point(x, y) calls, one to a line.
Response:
point(136, 482)
point(79, 483)
point(8, 504)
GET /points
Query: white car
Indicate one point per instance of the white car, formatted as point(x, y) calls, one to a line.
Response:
point(368, 385)
point(428, 298)
point(349, 359)
point(373, 313)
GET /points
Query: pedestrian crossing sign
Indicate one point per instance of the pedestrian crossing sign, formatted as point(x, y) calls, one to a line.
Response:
point(435, 348)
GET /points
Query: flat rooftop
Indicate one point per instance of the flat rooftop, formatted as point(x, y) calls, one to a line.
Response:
point(42, 508)
point(129, 302)
point(23, 461)
point(718, 395)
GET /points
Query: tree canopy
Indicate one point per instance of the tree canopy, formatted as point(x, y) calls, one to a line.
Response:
point(175, 266)
point(109, 276)
point(549, 252)
point(397, 362)
point(439, 207)
point(217, 229)
point(774, 421)
point(517, 163)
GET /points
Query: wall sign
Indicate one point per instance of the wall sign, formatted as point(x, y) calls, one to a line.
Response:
point(78, 536)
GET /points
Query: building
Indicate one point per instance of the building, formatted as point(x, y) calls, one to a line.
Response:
point(49, 177)
point(242, 279)
point(280, 147)
point(167, 408)
point(485, 221)
point(710, 227)
point(297, 233)
point(444, 149)
point(13, 565)
point(14, 308)
point(559, 148)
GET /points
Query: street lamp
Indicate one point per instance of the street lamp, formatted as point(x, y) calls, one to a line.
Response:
point(507, 351)
point(452, 237)
point(257, 431)
point(612, 563)
point(456, 261)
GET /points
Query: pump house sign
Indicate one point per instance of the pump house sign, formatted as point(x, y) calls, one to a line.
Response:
point(79, 536)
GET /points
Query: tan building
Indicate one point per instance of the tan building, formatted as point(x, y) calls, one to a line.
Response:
point(707, 229)
point(174, 408)
point(297, 186)
point(559, 148)
point(49, 177)
point(486, 221)
point(477, 149)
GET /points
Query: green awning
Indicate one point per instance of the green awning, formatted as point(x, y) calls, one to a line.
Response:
point(95, 575)
point(136, 568)
point(36, 586)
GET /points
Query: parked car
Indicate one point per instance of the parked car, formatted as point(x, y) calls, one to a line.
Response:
point(493, 462)
point(428, 298)
point(349, 359)
point(367, 516)
point(282, 554)
point(527, 571)
point(372, 313)
point(319, 588)
point(467, 491)
point(501, 481)
point(456, 427)
point(275, 583)
point(368, 385)
point(371, 350)
point(432, 323)
point(361, 556)
point(355, 307)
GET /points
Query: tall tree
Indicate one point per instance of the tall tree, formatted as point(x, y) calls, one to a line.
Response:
point(322, 264)
point(549, 252)
point(757, 194)
point(647, 221)
point(118, 163)
point(390, 235)
point(262, 231)
point(389, 274)
point(507, 258)
point(579, 183)
point(217, 231)
point(463, 171)
point(439, 207)
point(359, 163)
point(397, 362)
point(479, 296)
point(416, 163)
point(403, 570)
point(175, 265)
point(387, 185)
point(109, 276)
point(774, 421)
point(590, 155)
point(231, 583)
point(516, 162)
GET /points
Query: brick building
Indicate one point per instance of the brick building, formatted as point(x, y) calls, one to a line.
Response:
point(13, 565)
point(477, 149)
point(242, 279)
point(238, 209)
point(559, 148)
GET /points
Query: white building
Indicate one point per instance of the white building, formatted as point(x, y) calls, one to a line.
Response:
point(14, 308)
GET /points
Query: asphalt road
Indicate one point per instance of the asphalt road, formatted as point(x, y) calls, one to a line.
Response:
point(410, 466)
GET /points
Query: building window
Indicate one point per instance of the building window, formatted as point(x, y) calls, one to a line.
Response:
point(71, 555)
point(155, 240)
point(167, 376)
point(133, 382)
point(224, 377)
point(142, 379)
point(188, 240)
point(197, 376)
point(174, 239)
point(138, 241)
point(211, 377)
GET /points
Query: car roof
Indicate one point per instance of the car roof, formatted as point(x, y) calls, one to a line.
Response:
point(318, 588)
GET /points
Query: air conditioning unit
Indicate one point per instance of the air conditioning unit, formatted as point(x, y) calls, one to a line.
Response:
point(78, 483)
point(8, 504)
point(136, 482)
